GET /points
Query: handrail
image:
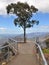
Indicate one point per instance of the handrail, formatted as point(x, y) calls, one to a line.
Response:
point(8, 51)
point(13, 40)
point(42, 55)
point(12, 47)
point(1, 47)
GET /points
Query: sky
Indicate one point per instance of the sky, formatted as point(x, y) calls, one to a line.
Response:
point(6, 21)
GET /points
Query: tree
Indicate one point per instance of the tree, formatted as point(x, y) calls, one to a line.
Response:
point(24, 13)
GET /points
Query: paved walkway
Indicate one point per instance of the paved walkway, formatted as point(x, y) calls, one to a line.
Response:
point(27, 55)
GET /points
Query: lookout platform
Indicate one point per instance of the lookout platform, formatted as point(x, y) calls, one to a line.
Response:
point(26, 56)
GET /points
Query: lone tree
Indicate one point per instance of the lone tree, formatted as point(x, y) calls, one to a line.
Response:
point(24, 13)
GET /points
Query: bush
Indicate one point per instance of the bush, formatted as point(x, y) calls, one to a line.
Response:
point(45, 50)
point(47, 42)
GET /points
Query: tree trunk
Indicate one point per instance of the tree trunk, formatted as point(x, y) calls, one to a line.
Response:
point(24, 32)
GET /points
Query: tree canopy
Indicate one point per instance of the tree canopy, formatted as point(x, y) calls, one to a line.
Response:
point(24, 13)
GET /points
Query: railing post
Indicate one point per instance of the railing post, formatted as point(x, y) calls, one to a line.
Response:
point(8, 54)
point(17, 48)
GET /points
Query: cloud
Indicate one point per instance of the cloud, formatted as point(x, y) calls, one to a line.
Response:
point(43, 28)
point(42, 5)
point(2, 29)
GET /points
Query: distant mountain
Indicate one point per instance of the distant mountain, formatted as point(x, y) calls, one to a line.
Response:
point(31, 35)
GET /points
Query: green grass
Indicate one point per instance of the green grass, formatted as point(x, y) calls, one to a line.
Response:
point(46, 51)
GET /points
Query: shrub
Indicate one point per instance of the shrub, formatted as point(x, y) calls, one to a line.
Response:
point(47, 42)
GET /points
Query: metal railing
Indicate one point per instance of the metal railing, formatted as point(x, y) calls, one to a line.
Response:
point(13, 43)
point(4, 55)
point(41, 58)
point(5, 51)
point(40, 55)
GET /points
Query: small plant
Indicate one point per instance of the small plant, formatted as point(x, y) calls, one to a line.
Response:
point(46, 50)
point(47, 42)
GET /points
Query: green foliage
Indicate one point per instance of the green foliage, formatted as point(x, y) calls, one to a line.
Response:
point(46, 51)
point(6, 48)
point(47, 42)
point(24, 13)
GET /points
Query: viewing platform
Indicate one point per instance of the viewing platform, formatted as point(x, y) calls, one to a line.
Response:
point(26, 54)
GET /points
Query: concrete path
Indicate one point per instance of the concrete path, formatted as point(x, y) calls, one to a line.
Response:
point(24, 59)
point(27, 55)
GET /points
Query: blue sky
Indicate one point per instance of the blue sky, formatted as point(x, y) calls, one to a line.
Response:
point(6, 21)
point(7, 25)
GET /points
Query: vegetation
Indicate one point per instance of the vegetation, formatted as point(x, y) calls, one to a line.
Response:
point(23, 13)
point(47, 42)
point(6, 49)
point(46, 51)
